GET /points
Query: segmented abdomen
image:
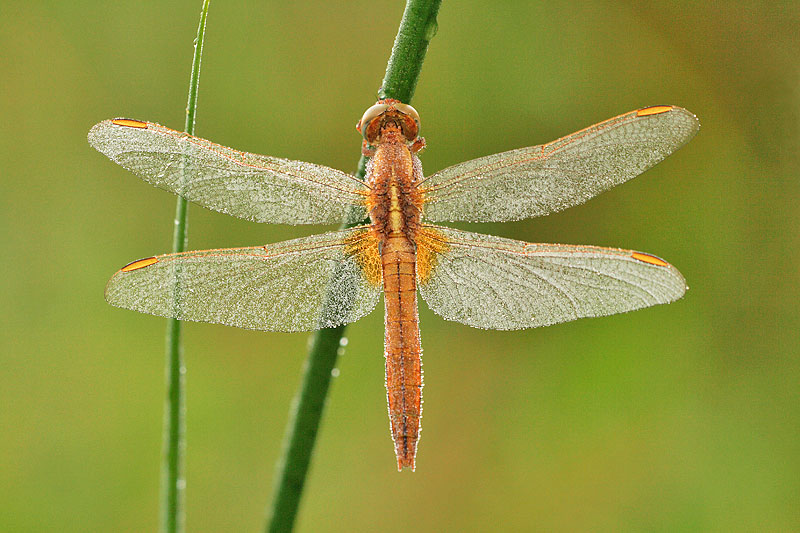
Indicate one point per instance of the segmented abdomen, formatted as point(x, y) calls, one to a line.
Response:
point(402, 347)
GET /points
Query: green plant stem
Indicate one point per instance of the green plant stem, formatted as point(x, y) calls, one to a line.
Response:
point(405, 64)
point(416, 29)
point(172, 467)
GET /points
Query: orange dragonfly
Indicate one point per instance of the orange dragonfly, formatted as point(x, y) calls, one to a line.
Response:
point(335, 278)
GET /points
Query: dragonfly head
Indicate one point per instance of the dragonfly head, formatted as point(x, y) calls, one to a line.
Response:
point(389, 112)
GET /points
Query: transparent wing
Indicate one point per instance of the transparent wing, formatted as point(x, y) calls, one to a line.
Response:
point(538, 180)
point(249, 186)
point(278, 287)
point(491, 282)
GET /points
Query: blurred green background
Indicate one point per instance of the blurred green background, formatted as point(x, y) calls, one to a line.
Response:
point(677, 418)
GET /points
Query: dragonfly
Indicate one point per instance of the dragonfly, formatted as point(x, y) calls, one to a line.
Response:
point(335, 278)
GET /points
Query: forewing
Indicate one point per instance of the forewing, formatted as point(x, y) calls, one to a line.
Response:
point(299, 285)
point(249, 186)
point(491, 282)
point(538, 180)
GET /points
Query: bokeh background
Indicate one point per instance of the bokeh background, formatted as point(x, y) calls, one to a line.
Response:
point(677, 418)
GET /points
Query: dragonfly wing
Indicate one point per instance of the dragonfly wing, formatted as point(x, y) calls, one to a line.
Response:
point(249, 186)
point(300, 285)
point(491, 282)
point(538, 180)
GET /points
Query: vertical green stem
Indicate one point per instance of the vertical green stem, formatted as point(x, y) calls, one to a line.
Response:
point(416, 30)
point(172, 467)
point(405, 64)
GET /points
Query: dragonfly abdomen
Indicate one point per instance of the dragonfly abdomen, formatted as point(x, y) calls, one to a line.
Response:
point(403, 350)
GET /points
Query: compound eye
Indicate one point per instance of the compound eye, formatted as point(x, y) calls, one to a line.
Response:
point(410, 120)
point(408, 110)
point(369, 115)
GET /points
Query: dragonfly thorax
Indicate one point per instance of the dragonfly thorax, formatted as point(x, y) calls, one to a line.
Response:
point(394, 202)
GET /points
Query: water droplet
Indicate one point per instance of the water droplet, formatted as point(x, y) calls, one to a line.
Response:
point(343, 341)
point(335, 372)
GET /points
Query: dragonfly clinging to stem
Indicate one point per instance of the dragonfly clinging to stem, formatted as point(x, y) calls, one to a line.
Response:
point(335, 278)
